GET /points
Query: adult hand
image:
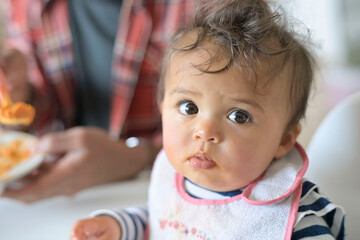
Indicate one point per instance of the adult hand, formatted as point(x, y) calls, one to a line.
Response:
point(99, 228)
point(14, 65)
point(88, 157)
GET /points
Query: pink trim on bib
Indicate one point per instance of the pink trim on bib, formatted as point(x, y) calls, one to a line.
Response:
point(296, 183)
point(179, 181)
point(293, 212)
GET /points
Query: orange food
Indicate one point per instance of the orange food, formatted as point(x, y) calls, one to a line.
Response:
point(17, 113)
point(14, 113)
point(12, 154)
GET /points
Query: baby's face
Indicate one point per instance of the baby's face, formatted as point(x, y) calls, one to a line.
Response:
point(217, 131)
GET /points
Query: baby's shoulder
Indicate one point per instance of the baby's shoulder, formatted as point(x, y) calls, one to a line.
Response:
point(317, 211)
point(312, 198)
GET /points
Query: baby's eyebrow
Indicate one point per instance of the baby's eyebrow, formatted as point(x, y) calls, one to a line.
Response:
point(248, 102)
point(179, 90)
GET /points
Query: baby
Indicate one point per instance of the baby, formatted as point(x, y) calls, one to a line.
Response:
point(234, 87)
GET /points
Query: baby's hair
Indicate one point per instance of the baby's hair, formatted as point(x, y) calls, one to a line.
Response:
point(253, 38)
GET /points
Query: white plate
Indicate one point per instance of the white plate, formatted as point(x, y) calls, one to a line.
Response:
point(25, 167)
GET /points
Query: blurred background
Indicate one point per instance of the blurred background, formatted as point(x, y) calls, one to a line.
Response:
point(335, 28)
point(334, 151)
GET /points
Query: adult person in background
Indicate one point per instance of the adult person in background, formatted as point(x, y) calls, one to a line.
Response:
point(90, 68)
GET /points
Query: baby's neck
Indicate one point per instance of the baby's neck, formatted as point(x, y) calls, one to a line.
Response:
point(196, 191)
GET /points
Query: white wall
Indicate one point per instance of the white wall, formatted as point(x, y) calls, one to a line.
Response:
point(326, 21)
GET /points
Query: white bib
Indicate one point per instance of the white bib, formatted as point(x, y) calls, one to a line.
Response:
point(266, 209)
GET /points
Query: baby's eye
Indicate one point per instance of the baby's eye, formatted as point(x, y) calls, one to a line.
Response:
point(240, 116)
point(188, 108)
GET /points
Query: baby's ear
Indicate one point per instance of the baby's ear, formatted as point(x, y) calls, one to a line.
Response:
point(288, 141)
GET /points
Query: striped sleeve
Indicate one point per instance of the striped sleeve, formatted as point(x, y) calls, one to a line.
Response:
point(133, 221)
point(317, 217)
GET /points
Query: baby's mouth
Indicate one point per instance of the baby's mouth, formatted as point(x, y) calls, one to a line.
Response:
point(201, 161)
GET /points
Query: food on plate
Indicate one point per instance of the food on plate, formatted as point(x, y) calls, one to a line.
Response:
point(11, 154)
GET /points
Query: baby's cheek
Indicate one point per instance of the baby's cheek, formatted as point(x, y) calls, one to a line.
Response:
point(170, 136)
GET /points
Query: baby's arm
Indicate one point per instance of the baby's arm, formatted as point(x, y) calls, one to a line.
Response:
point(131, 223)
point(312, 227)
point(99, 228)
point(317, 217)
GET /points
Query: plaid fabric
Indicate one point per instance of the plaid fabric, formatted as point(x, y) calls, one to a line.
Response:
point(41, 30)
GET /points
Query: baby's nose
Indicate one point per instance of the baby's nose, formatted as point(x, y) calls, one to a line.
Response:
point(208, 132)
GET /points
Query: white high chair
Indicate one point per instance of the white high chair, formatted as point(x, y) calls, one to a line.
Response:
point(334, 160)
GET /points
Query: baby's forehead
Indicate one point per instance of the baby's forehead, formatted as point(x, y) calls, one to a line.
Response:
point(200, 63)
point(212, 59)
point(207, 55)
point(210, 49)
point(205, 59)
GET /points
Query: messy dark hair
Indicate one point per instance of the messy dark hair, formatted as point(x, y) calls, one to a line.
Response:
point(255, 39)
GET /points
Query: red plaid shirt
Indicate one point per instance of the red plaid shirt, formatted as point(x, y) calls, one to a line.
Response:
point(41, 30)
